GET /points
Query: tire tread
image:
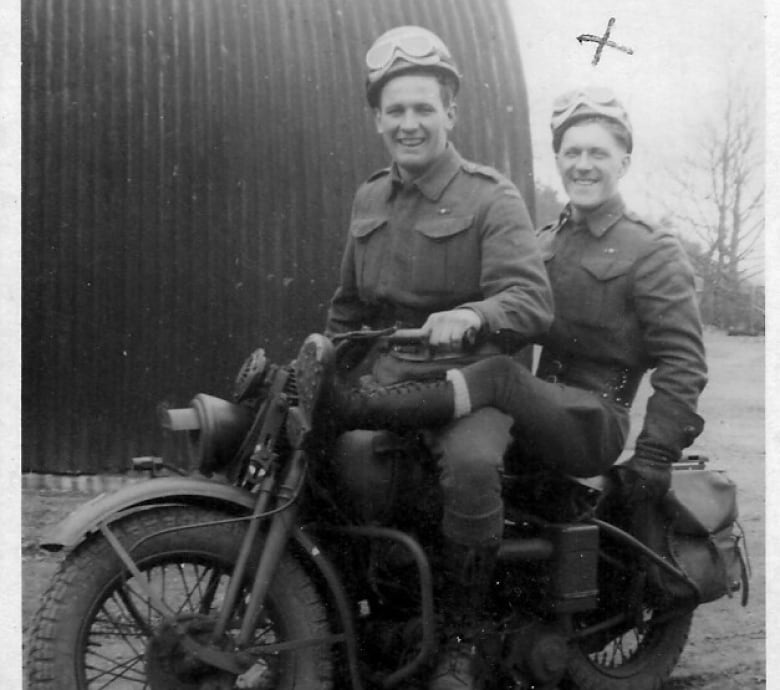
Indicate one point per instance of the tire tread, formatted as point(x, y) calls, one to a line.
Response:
point(45, 652)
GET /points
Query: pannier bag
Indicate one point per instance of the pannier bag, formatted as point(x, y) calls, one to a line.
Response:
point(696, 530)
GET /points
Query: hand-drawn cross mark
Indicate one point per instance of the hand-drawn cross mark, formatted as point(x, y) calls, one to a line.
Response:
point(603, 41)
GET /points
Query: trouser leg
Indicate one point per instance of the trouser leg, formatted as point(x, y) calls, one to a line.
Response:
point(470, 453)
point(570, 429)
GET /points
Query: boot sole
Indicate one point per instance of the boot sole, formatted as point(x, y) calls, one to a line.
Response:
point(312, 370)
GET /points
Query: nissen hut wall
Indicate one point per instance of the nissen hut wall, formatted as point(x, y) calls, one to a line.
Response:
point(188, 168)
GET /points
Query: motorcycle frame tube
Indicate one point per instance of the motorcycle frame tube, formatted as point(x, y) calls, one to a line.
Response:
point(340, 599)
point(626, 538)
point(428, 646)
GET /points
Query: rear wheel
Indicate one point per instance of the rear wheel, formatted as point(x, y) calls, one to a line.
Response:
point(97, 628)
point(638, 658)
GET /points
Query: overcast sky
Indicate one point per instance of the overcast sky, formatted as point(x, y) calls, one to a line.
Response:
point(675, 79)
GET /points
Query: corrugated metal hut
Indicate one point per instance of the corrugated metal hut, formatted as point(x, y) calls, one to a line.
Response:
point(188, 168)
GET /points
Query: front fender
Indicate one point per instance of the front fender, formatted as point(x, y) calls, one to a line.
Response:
point(109, 507)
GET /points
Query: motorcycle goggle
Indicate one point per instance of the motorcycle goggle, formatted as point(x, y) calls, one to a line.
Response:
point(417, 49)
point(601, 101)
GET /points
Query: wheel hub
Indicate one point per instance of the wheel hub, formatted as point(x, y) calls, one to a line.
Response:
point(170, 667)
point(539, 654)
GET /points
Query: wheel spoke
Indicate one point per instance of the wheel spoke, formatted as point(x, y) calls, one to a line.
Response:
point(143, 623)
point(163, 572)
point(262, 632)
point(123, 629)
point(207, 601)
point(153, 615)
point(124, 670)
point(126, 620)
point(184, 591)
point(188, 589)
point(621, 649)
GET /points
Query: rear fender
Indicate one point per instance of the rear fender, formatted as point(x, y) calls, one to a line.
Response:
point(107, 508)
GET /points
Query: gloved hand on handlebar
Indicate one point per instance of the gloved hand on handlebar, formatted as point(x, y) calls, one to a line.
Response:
point(448, 329)
point(646, 477)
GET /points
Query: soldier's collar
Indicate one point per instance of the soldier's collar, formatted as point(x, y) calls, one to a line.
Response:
point(600, 219)
point(434, 181)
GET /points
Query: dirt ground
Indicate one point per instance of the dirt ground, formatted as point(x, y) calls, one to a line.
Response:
point(726, 648)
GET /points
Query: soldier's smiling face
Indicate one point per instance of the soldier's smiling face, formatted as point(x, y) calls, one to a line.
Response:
point(414, 121)
point(591, 162)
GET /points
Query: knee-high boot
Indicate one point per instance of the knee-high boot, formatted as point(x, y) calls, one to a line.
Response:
point(401, 406)
point(467, 573)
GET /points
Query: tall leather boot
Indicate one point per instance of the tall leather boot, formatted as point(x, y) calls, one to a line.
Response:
point(398, 407)
point(468, 576)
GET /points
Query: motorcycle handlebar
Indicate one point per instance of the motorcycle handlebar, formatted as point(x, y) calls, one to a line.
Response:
point(404, 336)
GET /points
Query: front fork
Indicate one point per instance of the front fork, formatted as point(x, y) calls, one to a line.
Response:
point(275, 543)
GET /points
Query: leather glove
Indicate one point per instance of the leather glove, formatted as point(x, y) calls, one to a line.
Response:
point(644, 479)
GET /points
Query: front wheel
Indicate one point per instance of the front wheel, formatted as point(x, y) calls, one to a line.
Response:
point(97, 629)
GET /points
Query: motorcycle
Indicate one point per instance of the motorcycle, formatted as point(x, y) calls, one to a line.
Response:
point(260, 571)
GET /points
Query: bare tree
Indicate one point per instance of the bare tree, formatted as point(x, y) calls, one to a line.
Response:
point(720, 204)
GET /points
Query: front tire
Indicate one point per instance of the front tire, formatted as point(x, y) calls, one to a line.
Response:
point(96, 628)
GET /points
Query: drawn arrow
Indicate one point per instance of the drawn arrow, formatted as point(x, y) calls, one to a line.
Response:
point(603, 41)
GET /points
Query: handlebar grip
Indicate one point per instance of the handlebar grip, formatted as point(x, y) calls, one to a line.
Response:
point(417, 336)
point(408, 336)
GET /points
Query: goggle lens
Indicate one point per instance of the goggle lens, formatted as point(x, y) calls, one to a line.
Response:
point(600, 100)
point(380, 55)
point(415, 47)
point(591, 95)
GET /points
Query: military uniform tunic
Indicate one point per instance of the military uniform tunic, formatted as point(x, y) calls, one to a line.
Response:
point(625, 300)
point(459, 236)
point(625, 303)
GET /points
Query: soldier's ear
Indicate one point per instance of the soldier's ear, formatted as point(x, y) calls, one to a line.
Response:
point(625, 164)
point(452, 115)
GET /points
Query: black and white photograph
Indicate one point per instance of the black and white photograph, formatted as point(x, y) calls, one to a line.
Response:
point(361, 344)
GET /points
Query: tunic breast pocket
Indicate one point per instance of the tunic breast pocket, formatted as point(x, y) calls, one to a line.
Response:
point(445, 256)
point(370, 250)
point(605, 292)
